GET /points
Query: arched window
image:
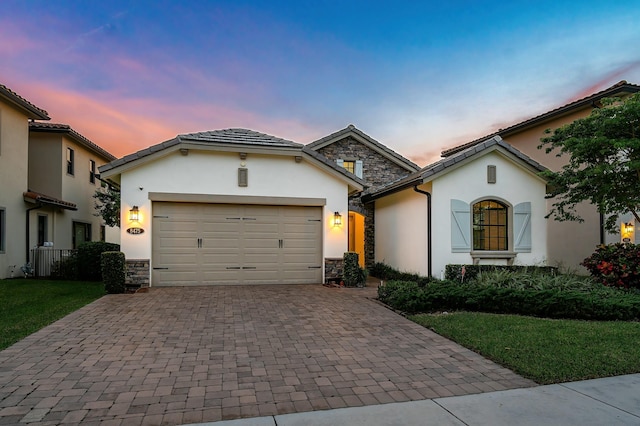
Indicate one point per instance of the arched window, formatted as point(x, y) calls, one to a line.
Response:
point(490, 227)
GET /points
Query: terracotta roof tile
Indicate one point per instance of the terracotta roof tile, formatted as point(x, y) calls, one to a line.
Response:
point(37, 126)
point(36, 197)
point(35, 112)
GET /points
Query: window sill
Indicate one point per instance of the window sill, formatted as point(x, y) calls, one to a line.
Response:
point(483, 256)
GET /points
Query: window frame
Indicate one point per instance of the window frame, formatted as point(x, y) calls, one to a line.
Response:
point(70, 161)
point(92, 171)
point(504, 241)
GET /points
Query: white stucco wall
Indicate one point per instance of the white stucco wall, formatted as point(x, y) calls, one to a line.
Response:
point(401, 230)
point(401, 218)
point(14, 134)
point(208, 172)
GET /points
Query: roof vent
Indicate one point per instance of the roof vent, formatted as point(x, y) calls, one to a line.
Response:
point(491, 174)
point(243, 177)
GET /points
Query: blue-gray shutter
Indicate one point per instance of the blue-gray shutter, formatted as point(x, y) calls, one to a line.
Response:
point(460, 226)
point(359, 168)
point(522, 227)
point(340, 162)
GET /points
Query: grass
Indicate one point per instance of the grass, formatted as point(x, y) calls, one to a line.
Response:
point(28, 305)
point(544, 350)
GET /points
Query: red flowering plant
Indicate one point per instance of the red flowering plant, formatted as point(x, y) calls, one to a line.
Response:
point(615, 265)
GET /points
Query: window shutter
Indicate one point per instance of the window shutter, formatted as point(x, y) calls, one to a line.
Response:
point(522, 227)
point(340, 162)
point(359, 168)
point(460, 226)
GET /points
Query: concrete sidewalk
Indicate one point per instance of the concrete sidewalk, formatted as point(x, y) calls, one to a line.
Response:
point(608, 401)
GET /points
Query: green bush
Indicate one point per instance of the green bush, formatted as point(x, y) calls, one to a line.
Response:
point(353, 275)
point(505, 278)
point(113, 271)
point(448, 296)
point(66, 268)
point(454, 272)
point(615, 265)
point(89, 259)
point(387, 273)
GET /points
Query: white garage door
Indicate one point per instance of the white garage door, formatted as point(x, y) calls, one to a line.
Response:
point(208, 244)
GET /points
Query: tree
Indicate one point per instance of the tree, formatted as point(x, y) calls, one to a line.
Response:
point(108, 205)
point(604, 162)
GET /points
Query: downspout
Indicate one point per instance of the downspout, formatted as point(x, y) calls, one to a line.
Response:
point(428, 194)
point(27, 212)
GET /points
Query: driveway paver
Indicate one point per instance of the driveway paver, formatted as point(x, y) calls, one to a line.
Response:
point(202, 354)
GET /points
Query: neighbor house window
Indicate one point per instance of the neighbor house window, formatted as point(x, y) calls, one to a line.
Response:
point(92, 171)
point(81, 233)
point(103, 233)
point(490, 228)
point(350, 166)
point(3, 213)
point(70, 161)
point(42, 229)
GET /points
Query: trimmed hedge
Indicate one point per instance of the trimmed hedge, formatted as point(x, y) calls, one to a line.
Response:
point(113, 271)
point(89, 260)
point(388, 273)
point(454, 272)
point(447, 296)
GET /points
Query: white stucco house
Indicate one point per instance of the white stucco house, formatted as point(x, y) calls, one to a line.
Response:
point(483, 205)
point(236, 206)
point(232, 207)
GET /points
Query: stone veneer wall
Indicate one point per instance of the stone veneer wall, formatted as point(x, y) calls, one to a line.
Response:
point(333, 268)
point(137, 273)
point(377, 171)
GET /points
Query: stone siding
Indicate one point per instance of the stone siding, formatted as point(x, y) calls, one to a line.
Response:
point(333, 268)
point(377, 171)
point(137, 273)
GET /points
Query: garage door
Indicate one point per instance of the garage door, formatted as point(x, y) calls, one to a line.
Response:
point(208, 244)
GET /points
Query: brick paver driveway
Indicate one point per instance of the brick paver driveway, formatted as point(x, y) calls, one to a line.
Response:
point(181, 355)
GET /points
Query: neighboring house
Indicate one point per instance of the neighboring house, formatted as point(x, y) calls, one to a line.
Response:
point(63, 177)
point(232, 207)
point(15, 113)
point(568, 242)
point(374, 163)
point(483, 205)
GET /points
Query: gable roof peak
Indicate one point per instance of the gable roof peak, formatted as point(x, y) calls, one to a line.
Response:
point(365, 139)
point(33, 111)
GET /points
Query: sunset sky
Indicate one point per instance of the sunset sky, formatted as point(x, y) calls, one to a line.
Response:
point(416, 76)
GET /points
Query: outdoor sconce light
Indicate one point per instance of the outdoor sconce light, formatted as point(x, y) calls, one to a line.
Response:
point(337, 219)
point(627, 232)
point(628, 227)
point(134, 214)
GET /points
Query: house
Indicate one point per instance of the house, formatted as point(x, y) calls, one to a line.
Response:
point(568, 242)
point(48, 175)
point(377, 166)
point(482, 205)
point(232, 206)
point(15, 113)
point(63, 177)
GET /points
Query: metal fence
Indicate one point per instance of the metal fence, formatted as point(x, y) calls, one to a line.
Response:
point(48, 261)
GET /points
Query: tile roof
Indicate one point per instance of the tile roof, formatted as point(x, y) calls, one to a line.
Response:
point(429, 172)
point(616, 89)
point(239, 137)
point(37, 126)
point(334, 137)
point(13, 97)
point(36, 197)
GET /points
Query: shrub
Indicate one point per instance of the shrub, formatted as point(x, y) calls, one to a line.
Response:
point(89, 259)
point(66, 268)
point(615, 265)
point(454, 272)
point(113, 271)
point(386, 272)
point(505, 278)
point(354, 275)
point(439, 296)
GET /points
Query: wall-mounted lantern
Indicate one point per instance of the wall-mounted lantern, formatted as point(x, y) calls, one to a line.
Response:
point(627, 231)
point(134, 214)
point(337, 219)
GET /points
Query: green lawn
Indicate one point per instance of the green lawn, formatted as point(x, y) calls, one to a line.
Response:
point(27, 305)
point(544, 350)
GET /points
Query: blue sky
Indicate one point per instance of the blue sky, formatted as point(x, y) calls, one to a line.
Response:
point(417, 76)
